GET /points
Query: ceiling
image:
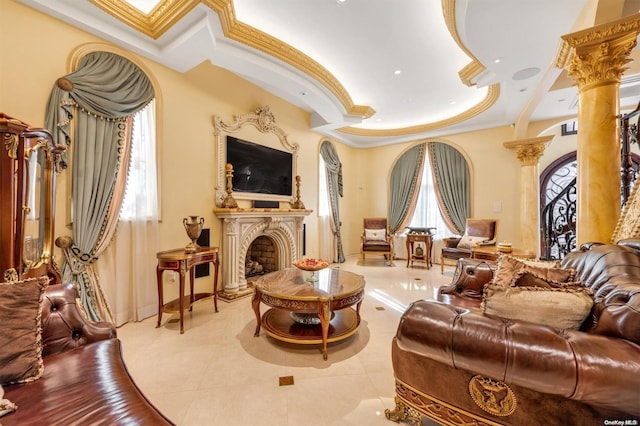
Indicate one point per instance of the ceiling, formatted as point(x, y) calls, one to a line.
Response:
point(369, 72)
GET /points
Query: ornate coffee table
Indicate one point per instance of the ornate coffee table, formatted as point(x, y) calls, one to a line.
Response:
point(309, 312)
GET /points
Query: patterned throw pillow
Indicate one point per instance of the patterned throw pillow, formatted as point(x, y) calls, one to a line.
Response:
point(563, 308)
point(21, 330)
point(468, 242)
point(510, 266)
point(531, 279)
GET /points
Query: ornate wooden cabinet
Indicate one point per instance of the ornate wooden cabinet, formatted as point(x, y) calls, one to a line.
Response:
point(28, 167)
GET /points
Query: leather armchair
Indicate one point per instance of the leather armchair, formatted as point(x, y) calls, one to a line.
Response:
point(375, 239)
point(486, 229)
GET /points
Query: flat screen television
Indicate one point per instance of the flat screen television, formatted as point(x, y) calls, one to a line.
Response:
point(258, 168)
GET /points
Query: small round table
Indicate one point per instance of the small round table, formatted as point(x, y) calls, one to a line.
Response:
point(309, 312)
point(181, 262)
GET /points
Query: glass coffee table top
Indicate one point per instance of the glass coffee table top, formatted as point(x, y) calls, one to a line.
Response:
point(293, 283)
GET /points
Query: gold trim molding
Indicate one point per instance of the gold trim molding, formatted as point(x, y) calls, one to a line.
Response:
point(492, 96)
point(475, 67)
point(168, 12)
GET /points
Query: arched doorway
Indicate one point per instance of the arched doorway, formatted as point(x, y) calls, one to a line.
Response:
point(558, 207)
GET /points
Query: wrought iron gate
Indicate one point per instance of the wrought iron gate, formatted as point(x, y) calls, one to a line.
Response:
point(558, 216)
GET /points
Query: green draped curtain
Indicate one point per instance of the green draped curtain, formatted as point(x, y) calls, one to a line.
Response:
point(404, 186)
point(333, 168)
point(97, 101)
point(453, 184)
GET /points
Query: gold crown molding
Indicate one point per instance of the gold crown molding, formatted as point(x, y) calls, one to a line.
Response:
point(492, 96)
point(169, 12)
point(470, 71)
point(156, 23)
point(475, 67)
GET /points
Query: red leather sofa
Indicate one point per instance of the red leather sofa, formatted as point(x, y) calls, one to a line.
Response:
point(85, 380)
point(457, 365)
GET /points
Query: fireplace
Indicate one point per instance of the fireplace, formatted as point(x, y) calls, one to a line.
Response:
point(241, 227)
point(262, 257)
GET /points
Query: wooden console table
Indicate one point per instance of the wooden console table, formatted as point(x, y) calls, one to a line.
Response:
point(413, 238)
point(181, 262)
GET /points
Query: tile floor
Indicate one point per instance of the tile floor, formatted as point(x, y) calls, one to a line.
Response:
point(218, 373)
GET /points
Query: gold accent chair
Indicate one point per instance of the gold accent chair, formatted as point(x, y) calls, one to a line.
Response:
point(477, 232)
point(375, 239)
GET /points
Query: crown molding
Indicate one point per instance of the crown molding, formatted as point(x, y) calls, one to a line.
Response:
point(492, 96)
point(168, 12)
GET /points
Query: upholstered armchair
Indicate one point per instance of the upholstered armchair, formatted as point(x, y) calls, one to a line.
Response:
point(376, 239)
point(477, 232)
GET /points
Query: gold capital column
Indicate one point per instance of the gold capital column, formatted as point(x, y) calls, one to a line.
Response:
point(529, 152)
point(597, 61)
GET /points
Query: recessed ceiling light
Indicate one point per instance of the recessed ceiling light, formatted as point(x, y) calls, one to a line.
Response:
point(397, 72)
point(378, 120)
point(341, 1)
point(452, 103)
point(497, 60)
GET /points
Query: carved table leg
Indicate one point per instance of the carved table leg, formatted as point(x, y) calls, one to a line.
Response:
point(159, 273)
point(255, 303)
point(325, 319)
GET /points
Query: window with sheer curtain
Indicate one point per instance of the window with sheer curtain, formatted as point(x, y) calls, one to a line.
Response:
point(128, 264)
point(141, 200)
point(427, 211)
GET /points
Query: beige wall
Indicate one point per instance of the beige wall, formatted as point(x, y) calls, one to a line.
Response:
point(186, 143)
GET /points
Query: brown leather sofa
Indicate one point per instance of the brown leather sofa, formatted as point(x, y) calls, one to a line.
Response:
point(85, 380)
point(457, 365)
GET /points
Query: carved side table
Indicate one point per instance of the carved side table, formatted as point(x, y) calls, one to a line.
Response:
point(413, 238)
point(183, 263)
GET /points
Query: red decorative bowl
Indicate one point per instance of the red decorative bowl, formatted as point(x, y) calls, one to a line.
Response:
point(311, 264)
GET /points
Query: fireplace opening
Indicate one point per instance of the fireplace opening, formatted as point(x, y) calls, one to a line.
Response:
point(262, 257)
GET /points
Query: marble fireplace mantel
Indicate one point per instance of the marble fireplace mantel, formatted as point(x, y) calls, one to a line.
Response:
point(241, 226)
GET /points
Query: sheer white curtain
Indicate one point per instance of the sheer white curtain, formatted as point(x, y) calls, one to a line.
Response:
point(127, 267)
point(427, 212)
point(327, 243)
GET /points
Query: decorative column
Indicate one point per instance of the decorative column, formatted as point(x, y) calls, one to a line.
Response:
point(597, 58)
point(231, 280)
point(529, 152)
